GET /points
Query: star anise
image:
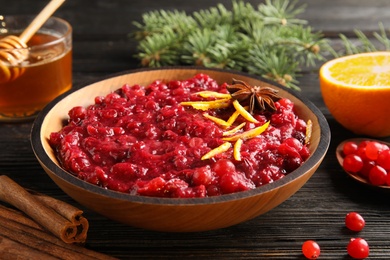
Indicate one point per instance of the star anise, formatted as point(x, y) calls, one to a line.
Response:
point(260, 97)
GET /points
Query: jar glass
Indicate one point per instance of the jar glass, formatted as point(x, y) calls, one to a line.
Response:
point(43, 72)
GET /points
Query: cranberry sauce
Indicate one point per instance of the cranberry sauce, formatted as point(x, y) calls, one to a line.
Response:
point(141, 140)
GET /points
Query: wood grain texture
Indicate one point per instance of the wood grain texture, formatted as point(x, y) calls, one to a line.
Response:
point(316, 211)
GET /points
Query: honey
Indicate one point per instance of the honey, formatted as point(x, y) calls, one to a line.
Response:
point(47, 74)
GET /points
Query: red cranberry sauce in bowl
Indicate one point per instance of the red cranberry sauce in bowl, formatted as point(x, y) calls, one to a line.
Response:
point(180, 139)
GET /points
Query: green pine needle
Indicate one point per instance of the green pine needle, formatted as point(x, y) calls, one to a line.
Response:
point(268, 40)
point(281, 12)
point(363, 44)
point(382, 37)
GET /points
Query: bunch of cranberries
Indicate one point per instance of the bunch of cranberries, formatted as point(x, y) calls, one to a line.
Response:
point(357, 248)
point(368, 159)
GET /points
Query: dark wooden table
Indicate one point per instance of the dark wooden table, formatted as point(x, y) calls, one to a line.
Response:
point(316, 211)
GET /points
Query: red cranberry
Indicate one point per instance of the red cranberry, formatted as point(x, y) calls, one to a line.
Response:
point(384, 159)
point(224, 166)
point(353, 163)
point(377, 175)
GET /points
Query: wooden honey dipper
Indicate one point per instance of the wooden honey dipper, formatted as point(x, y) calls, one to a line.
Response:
point(13, 49)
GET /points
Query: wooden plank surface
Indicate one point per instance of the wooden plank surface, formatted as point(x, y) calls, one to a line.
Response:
point(317, 211)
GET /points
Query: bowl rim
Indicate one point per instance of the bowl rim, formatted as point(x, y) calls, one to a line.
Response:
point(42, 157)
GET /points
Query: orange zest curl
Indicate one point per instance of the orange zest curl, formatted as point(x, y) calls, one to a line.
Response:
point(213, 94)
point(237, 149)
point(217, 120)
point(233, 117)
point(248, 134)
point(234, 130)
point(309, 129)
point(220, 149)
point(243, 112)
point(206, 105)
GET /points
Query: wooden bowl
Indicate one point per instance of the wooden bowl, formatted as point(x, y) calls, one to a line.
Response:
point(167, 214)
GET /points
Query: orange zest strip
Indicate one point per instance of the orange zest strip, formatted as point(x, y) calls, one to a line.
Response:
point(243, 112)
point(217, 120)
point(234, 130)
point(309, 129)
point(220, 149)
point(213, 94)
point(237, 149)
point(205, 105)
point(248, 134)
point(233, 117)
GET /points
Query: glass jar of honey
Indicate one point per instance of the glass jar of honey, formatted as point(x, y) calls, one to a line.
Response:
point(43, 73)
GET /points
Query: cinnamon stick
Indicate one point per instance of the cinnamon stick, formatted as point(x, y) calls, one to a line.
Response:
point(71, 213)
point(19, 236)
point(60, 218)
point(18, 217)
point(11, 250)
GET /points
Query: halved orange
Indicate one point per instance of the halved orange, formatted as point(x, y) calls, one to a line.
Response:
point(356, 90)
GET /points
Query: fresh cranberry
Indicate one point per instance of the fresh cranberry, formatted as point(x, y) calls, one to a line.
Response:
point(383, 159)
point(373, 149)
point(358, 248)
point(352, 163)
point(310, 249)
point(367, 166)
point(377, 175)
point(354, 221)
point(350, 148)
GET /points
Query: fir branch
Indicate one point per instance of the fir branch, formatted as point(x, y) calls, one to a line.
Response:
point(230, 55)
point(269, 41)
point(362, 43)
point(257, 31)
point(217, 37)
point(243, 12)
point(382, 37)
point(159, 49)
point(276, 65)
point(281, 12)
point(303, 42)
point(210, 18)
point(220, 48)
point(195, 49)
point(158, 21)
point(366, 44)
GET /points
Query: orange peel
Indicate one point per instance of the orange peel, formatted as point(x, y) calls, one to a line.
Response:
point(244, 112)
point(217, 120)
point(233, 117)
point(309, 129)
point(206, 105)
point(237, 149)
point(234, 130)
point(220, 149)
point(213, 94)
point(248, 134)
